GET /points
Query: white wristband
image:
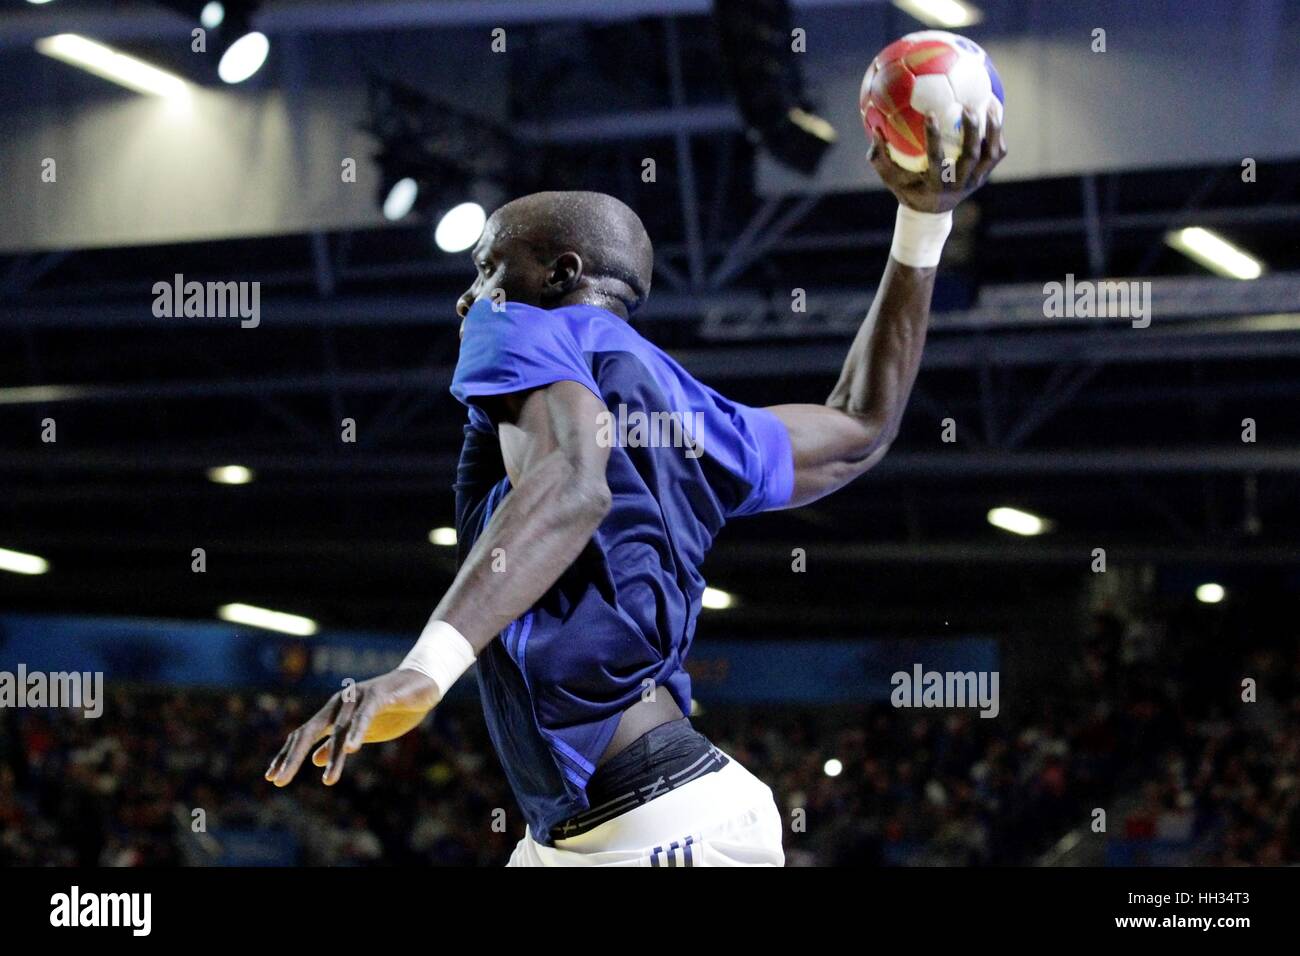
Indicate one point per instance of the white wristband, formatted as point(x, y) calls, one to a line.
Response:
point(441, 654)
point(919, 236)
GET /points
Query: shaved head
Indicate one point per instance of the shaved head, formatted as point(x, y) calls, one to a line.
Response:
point(617, 257)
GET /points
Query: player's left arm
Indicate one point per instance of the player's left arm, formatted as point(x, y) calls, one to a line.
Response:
point(840, 440)
point(558, 498)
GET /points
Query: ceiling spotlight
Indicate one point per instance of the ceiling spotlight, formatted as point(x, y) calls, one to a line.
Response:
point(212, 14)
point(16, 562)
point(716, 600)
point(1210, 593)
point(460, 227)
point(1018, 522)
point(230, 475)
point(110, 64)
point(437, 160)
point(242, 50)
point(267, 619)
point(400, 197)
point(1215, 253)
point(833, 768)
point(244, 57)
point(443, 537)
point(941, 13)
point(409, 180)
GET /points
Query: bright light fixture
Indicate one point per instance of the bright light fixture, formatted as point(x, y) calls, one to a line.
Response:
point(401, 199)
point(20, 563)
point(1017, 521)
point(833, 768)
point(119, 68)
point(443, 537)
point(267, 620)
point(460, 227)
point(244, 57)
point(212, 15)
point(230, 475)
point(1215, 253)
point(716, 600)
point(1210, 593)
point(941, 13)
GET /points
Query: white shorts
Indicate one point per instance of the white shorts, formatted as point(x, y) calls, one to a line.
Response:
point(726, 818)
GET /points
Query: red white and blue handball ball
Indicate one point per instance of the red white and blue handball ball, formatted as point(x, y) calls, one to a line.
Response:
point(928, 72)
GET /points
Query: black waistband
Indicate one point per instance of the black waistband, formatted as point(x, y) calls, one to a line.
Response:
point(658, 761)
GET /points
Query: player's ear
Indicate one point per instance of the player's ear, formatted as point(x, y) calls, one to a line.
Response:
point(565, 274)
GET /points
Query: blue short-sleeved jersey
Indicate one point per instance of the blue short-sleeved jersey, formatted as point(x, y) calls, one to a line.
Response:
point(683, 460)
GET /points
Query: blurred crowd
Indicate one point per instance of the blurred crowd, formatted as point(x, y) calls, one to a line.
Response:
point(1153, 731)
point(1156, 734)
point(165, 779)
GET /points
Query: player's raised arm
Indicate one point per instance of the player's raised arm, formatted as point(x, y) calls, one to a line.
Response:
point(556, 465)
point(836, 442)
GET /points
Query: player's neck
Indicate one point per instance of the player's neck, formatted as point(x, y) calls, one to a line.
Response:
point(601, 300)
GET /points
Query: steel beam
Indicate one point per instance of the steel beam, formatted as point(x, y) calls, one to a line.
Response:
point(685, 161)
point(727, 553)
point(1213, 459)
point(146, 22)
point(1226, 340)
point(1172, 300)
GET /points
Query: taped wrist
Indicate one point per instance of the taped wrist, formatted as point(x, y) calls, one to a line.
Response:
point(919, 236)
point(441, 654)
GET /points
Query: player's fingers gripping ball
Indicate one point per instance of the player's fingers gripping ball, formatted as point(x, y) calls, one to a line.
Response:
point(922, 73)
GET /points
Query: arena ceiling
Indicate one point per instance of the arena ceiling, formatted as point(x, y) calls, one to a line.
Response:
point(1127, 439)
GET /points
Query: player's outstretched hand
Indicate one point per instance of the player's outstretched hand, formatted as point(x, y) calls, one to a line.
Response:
point(370, 712)
point(942, 185)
